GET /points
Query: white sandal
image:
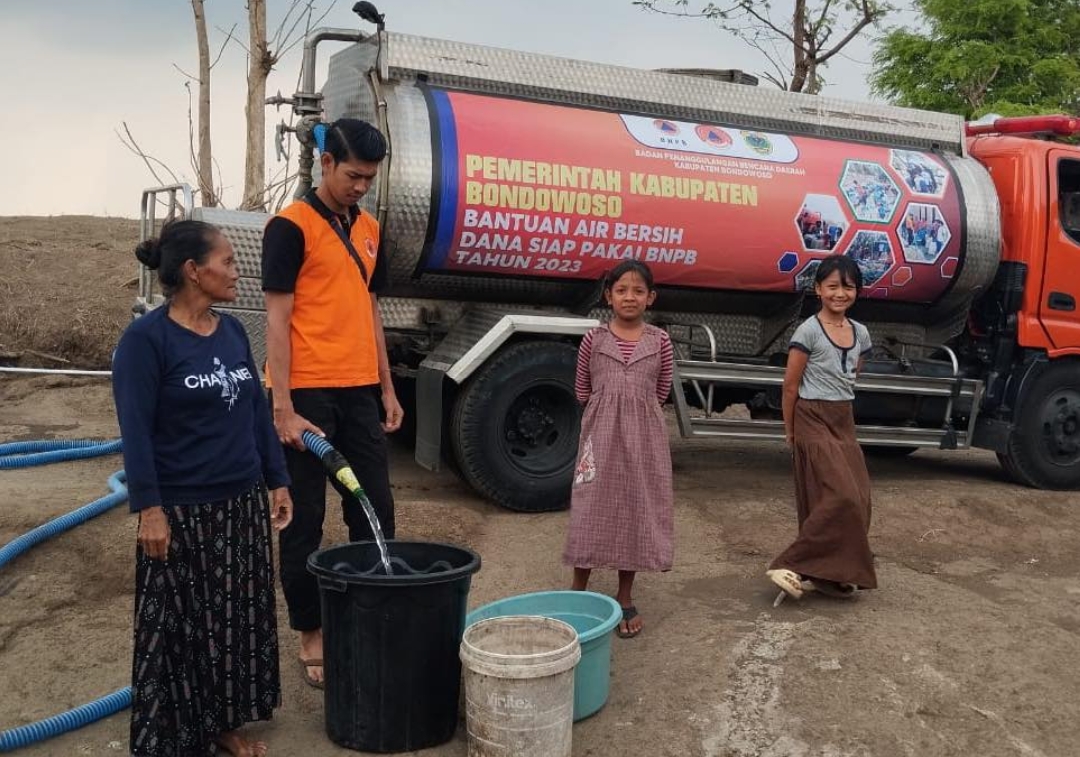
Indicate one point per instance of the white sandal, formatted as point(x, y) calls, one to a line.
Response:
point(788, 581)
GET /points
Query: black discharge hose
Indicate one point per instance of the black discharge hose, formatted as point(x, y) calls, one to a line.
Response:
point(339, 470)
point(334, 462)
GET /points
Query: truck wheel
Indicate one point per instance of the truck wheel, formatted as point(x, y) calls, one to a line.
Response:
point(515, 427)
point(1044, 448)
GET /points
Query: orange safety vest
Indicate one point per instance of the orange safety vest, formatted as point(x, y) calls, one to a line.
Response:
point(332, 331)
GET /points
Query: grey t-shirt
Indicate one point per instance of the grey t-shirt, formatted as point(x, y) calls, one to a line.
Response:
point(830, 371)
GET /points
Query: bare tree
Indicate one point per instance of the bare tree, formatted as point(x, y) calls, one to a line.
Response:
point(196, 152)
point(205, 170)
point(797, 46)
point(128, 140)
point(263, 54)
point(260, 63)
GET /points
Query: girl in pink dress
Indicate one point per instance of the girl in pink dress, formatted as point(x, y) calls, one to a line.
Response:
point(622, 501)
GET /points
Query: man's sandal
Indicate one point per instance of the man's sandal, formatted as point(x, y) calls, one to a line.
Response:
point(309, 679)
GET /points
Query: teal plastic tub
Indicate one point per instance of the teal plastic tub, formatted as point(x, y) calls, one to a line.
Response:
point(593, 616)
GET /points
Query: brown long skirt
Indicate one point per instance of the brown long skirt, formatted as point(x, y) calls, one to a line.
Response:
point(832, 497)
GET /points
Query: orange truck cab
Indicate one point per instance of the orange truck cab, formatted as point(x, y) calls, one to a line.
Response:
point(1025, 331)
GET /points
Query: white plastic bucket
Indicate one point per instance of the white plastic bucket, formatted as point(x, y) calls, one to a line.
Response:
point(519, 686)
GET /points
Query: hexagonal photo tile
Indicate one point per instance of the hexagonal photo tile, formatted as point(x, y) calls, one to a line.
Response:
point(873, 251)
point(922, 173)
point(923, 233)
point(821, 222)
point(804, 279)
point(870, 192)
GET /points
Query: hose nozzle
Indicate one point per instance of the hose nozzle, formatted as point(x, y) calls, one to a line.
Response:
point(332, 460)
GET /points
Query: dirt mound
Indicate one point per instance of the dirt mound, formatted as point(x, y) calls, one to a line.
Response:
point(67, 284)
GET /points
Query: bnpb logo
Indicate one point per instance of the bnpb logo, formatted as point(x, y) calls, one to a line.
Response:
point(666, 127)
point(712, 135)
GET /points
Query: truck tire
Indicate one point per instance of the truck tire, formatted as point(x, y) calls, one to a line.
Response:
point(1044, 448)
point(515, 426)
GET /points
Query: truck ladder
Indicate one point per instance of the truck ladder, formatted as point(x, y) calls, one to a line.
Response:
point(704, 375)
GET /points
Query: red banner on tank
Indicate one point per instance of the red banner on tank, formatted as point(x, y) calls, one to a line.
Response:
point(557, 192)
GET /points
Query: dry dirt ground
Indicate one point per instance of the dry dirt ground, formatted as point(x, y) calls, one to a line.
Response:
point(968, 648)
point(67, 284)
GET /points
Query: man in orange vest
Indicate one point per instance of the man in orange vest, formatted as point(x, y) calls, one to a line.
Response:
point(327, 364)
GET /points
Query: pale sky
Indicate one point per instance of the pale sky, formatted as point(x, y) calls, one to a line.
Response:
point(72, 72)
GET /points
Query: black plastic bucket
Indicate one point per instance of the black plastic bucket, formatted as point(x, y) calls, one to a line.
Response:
point(390, 643)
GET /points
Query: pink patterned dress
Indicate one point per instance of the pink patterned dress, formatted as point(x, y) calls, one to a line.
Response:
point(622, 502)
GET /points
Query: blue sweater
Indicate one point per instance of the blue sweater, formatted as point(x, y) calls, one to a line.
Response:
point(195, 422)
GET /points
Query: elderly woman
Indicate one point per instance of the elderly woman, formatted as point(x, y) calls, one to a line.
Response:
point(203, 464)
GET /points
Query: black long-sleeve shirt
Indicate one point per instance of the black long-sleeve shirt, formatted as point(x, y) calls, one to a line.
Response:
point(195, 422)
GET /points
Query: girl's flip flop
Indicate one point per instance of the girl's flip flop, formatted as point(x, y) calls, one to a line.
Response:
point(628, 614)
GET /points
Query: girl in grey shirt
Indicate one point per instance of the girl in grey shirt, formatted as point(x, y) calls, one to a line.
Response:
point(832, 487)
point(832, 361)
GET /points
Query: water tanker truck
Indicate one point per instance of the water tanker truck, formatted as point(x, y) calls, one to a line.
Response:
point(514, 181)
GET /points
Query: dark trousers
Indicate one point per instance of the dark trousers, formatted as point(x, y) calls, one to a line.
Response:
point(350, 418)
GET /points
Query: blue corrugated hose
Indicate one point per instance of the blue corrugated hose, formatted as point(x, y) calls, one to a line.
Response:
point(65, 721)
point(25, 454)
point(319, 446)
point(48, 452)
point(58, 525)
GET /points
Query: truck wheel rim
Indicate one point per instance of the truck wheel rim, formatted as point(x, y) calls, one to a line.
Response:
point(1061, 426)
point(538, 429)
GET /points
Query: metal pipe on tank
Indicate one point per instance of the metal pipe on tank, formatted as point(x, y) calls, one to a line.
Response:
point(312, 41)
point(307, 103)
point(383, 126)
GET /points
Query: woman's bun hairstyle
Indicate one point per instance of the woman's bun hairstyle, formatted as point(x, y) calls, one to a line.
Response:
point(148, 252)
point(179, 242)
